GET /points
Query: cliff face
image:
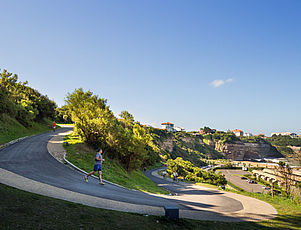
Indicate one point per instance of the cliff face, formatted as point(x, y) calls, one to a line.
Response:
point(195, 147)
point(247, 151)
point(297, 150)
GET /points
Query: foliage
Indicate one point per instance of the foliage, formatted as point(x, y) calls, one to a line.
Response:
point(222, 137)
point(284, 173)
point(253, 139)
point(24, 210)
point(63, 115)
point(11, 129)
point(190, 172)
point(281, 140)
point(284, 150)
point(181, 144)
point(80, 154)
point(207, 130)
point(22, 102)
point(123, 140)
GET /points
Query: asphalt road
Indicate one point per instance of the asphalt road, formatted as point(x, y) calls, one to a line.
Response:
point(30, 158)
point(232, 175)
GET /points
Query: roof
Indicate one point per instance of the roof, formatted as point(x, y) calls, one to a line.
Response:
point(237, 131)
point(167, 123)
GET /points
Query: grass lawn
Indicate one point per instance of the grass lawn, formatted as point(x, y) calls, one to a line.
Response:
point(10, 129)
point(82, 156)
point(24, 210)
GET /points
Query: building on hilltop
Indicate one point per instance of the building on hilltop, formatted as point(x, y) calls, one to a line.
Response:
point(293, 135)
point(179, 129)
point(171, 128)
point(168, 126)
point(247, 134)
point(238, 132)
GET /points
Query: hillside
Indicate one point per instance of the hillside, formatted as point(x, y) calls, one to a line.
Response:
point(23, 110)
point(11, 129)
point(181, 144)
point(197, 148)
point(287, 146)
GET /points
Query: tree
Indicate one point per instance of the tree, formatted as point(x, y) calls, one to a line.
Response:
point(284, 173)
point(125, 140)
point(22, 102)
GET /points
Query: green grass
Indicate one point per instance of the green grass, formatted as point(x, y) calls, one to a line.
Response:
point(24, 210)
point(83, 156)
point(235, 186)
point(10, 129)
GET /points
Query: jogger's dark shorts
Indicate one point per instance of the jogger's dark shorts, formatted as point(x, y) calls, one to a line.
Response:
point(97, 168)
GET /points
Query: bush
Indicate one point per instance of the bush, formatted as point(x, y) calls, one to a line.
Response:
point(192, 173)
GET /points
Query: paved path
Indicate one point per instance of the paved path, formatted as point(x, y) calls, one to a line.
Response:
point(27, 165)
point(232, 176)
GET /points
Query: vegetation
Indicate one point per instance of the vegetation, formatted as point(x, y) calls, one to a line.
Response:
point(182, 144)
point(253, 139)
point(190, 172)
point(281, 140)
point(23, 110)
point(22, 102)
point(222, 137)
point(283, 143)
point(23, 210)
point(124, 140)
point(63, 115)
point(83, 156)
point(11, 129)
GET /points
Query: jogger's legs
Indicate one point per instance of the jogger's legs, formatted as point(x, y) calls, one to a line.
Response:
point(100, 179)
point(90, 174)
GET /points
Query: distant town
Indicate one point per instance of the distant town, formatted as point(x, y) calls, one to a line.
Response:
point(170, 127)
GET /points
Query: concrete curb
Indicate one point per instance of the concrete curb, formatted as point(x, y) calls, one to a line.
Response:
point(58, 147)
point(84, 172)
point(13, 142)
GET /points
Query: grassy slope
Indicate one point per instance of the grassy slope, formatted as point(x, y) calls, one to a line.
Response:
point(82, 156)
point(10, 129)
point(23, 210)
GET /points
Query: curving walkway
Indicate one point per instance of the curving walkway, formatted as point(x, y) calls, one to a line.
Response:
point(27, 165)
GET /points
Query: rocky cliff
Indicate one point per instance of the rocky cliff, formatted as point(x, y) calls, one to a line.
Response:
point(247, 151)
point(195, 147)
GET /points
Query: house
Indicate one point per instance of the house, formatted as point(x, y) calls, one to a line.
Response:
point(238, 132)
point(179, 129)
point(248, 134)
point(168, 126)
point(293, 135)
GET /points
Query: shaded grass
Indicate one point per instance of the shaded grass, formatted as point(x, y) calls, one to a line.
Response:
point(83, 156)
point(24, 210)
point(11, 129)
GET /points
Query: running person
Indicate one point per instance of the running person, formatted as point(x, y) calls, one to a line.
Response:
point(53, 126)
point(97, 166)
point(175, 176)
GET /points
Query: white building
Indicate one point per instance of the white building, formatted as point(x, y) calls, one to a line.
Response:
point(179, 129)
point(294, 135)
point(168, 126)
point(248, 134)
point(238, 132)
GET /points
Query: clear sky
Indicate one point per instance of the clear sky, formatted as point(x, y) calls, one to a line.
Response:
point(224, 64)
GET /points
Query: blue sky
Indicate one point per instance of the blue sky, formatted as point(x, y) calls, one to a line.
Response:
point(224, 64)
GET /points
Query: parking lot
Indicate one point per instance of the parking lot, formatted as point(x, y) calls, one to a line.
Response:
point(234, 177)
